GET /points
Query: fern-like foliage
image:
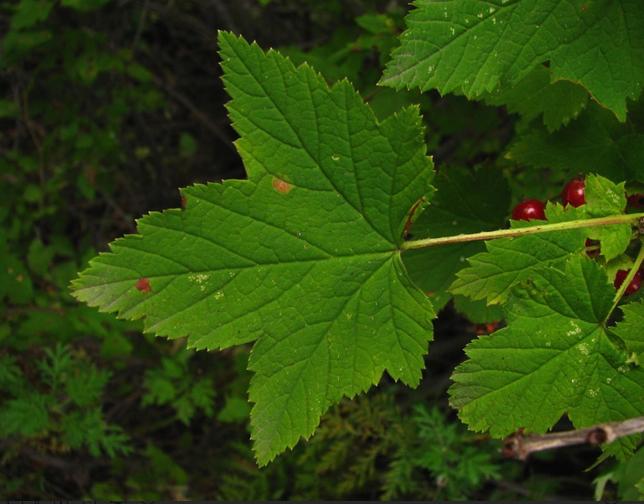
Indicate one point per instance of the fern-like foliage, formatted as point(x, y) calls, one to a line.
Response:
point(173, 384)
point(60, 406)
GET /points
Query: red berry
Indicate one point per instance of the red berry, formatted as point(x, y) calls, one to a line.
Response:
point(635, 200)
point(529, 209)
point(574, 192)
point(635, 284)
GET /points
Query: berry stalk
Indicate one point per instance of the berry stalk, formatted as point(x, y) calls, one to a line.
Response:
point(633, 219)
point(627, 281)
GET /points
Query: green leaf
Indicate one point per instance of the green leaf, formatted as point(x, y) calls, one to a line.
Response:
point(604, 198)
point(39, 257)
point(608, 58)
point(18, 286)
point(507, 261)
point(630, 329)
point(629, 476)
point(58, 363)
point(441, 448)
point(74, 429)
point(165, 467)
point(554, 357)
point(454, 210)
point(11, 375)
point(4, 268)
point(478, 312)
point(435, 281)
point(235, 410)
point(116, 345)
point(477, 47)
point(173, 383)
point(160, 384)
point(15, 45)
point(89, 428)
point(9, 109)
point(334, 60)
point(86, 387)
point(187, 144)
point(381, 32)
point(594, 142)
point(203, 394)
point(30, 12)
point(302, 257)
point(84, 5)
point(114, 440)
point(185, 409)
point(558, 102)
point(143, 75)
point(632, 153)
point(26, 415)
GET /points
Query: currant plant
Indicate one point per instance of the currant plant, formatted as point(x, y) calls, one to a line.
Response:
point(529, 209)
point(309, 257)
point(574, 192)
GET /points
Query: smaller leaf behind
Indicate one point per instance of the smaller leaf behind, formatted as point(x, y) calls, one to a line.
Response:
point(453, 210)
point(604, 198)
point(630, 329)
point(507, 261)
point(559, 102)
point(594, 142)
point(553, 358)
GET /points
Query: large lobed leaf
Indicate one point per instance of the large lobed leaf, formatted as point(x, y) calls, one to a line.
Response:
point(476, 47)
point(301, 258)
point(554, 357)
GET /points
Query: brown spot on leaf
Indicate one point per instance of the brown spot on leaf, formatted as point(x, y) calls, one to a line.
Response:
point(183, 202)
point(144, 285)
point(410, 219)
point(281, 186)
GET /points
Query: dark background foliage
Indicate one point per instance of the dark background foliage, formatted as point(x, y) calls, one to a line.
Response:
point(106, 108)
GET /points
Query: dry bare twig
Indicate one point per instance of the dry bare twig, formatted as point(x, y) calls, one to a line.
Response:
point(519, 446)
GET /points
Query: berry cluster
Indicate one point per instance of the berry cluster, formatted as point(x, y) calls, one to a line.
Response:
point(574, 194)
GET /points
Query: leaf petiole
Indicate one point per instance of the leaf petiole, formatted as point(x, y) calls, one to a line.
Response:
point(633, 219)
point(631, 274)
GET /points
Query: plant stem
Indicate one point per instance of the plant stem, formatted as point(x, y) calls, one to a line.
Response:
point(519, 446)
point(632, 219)
point(631, 274)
